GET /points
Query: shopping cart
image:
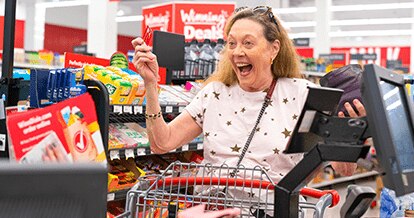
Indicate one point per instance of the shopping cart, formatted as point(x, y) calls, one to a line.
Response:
point(184, 185)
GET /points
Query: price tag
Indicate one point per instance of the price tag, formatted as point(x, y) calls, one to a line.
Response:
point(141, 152)
point(180, 109)
point(185, 147)
point(128, 109)
point(110, 197)
point(200, 146)
point(129, 153)
point(168, 109)
point(118, 109)
point(114, 154)
point(138, 109)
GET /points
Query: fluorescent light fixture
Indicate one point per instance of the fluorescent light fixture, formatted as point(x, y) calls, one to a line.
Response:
point(294, 10)
point(356, 22)
point(338, 34)
point(353, 22)
point(371, 7)
point(136, 18)
point(63, 4)
point(362, 7)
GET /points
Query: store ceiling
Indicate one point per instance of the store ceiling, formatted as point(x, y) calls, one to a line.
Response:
point(77, 16)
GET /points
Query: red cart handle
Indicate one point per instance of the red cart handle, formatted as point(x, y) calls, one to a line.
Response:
point(310, 192)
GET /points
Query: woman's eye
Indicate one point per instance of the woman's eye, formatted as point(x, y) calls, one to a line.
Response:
point(231, 44)
point(248, 43)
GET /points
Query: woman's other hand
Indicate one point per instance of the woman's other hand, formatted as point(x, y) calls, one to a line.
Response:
point(352, 113)
point(145, 61)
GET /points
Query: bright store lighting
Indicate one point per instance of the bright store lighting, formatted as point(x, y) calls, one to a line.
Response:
point(353, 22)
point(63, 4)
point(294, 10)
point(373, 7)
point(365, 7)
point(129, 19)
point(338, 34)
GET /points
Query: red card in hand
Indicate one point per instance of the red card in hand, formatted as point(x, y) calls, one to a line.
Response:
point(147, 35)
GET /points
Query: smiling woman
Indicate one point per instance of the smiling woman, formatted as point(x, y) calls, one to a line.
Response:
point(247, 108)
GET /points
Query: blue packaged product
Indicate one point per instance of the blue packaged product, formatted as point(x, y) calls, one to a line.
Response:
point(62, 84)
point(51, 83)
point(56, 87)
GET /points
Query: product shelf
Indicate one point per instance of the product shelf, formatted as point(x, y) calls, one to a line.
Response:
point(140, 109)
point(345, 179)
point(117, 195)
point(143, 151)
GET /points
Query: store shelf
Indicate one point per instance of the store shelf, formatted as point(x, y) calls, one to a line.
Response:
point(117, 195)
point(140, 109)
point(345, 179)
point(311, 73)
point(137, 152)
point(36, 66)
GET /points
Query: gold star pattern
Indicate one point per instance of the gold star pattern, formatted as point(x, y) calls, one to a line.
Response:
point(235, 112)
point(265, 133)
point(264, 160)
point(197, 98)
point(286, 133)
point(249, 152)
point(204, 111)
point(235, 148)
point(216, 95)
point(276, 151)
point(294, 98)
point(243, 110)
point(220, 115)
point(205, 95)
point(206, 134)
point(273, 119)
point(265, 113)
point(280, 174)
point(199, 115)
point(295, 117)
point(258, 129)
point(212, 152)
point(294, 80)
point(266, 169)
point(194, 118)
point(270, 103)
point(215, 134)
point(228, 123)
point(285, 100)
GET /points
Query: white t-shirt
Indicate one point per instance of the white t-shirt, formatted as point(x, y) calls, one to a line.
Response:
point(227, 114)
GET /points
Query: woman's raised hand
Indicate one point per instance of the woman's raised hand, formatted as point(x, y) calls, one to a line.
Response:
point(145, 61)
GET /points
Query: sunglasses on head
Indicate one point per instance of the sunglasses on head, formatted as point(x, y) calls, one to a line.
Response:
point(260, 10)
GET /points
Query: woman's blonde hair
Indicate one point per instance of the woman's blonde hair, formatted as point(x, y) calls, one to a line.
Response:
point(286, 63)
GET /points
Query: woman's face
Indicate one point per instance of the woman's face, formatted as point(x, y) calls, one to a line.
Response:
point(250, 53)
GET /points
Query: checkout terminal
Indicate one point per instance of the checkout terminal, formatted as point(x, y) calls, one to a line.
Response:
point(324, 137)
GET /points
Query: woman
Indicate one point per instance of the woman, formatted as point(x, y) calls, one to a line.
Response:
point(258, 53)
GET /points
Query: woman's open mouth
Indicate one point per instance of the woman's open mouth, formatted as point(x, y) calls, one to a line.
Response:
point(244, 68)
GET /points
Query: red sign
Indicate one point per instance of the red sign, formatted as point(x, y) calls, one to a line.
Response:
point(194, 20)
point(78, 61)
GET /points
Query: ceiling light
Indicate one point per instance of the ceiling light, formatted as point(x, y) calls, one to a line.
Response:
point(136, 18)
point(338, 34)
point(63, 4)
point(120, 13)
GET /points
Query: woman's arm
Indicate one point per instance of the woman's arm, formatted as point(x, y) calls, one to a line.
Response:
point(348, 169)
point(163, 137)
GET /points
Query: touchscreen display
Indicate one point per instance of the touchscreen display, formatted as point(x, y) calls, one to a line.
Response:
point(400, 124)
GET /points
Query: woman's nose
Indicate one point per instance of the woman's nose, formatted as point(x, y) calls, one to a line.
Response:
point(238, 51)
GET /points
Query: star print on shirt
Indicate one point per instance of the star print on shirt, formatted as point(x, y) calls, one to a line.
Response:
point(270, 103)
point(206, 134)
point(194, 118)
point(205, 95)
point(243, 110)
point(212, 152)
point(294, 99)
point(204, 111)
point(228, 123)
point(199, 115)
point(216, 95)
point(257, 129)
point(285, 100)
point(235, 148)
point(266, 169)
point(281, 175)
point(276, 151)
point(286, 133)
point(295, 117)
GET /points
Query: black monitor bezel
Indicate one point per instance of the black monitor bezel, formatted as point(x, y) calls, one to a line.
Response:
point(380, 128)
point(319, 99)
